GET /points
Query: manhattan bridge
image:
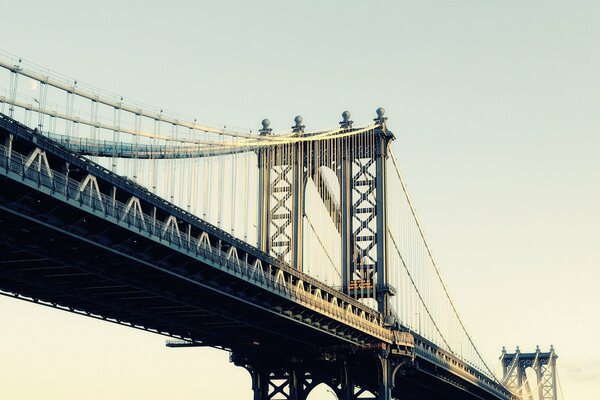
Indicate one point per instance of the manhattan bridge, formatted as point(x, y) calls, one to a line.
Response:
point(299, 252)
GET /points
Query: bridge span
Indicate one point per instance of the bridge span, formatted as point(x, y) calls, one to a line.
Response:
point(78, 237)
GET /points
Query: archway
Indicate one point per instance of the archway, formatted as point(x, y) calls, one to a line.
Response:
point(530, 390)
point(321, 237)
point(322, 392)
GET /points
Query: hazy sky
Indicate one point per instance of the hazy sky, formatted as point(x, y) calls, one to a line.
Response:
point(496, 110)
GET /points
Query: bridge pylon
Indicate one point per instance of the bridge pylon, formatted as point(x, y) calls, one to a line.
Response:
point(359, 210)
point(543, 364)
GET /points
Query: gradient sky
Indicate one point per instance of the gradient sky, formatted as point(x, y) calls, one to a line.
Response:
point(496, 110)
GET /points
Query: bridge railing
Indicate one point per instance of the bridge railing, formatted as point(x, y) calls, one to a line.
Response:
point(280, 279)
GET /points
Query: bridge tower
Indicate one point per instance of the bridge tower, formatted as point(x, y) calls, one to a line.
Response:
point(360, 215)
point(514, 366)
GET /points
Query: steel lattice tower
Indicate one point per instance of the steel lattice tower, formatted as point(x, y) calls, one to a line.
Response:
point(514, 366)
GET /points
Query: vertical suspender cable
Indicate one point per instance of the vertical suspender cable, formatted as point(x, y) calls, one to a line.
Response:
point(220, 193)
point(234, 184)
point(245, 197)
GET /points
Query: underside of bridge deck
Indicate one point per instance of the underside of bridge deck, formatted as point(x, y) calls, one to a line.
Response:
point(98, 274)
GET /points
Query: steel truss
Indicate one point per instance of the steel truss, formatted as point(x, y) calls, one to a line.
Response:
point(359, 164)
point(514, 366)
point(361, 375)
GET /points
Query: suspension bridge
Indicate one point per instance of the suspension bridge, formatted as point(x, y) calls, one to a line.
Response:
point(299, 251)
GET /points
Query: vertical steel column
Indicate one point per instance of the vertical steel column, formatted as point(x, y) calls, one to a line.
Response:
point(295, 384)
point(552, 363)
point(504, 364)
point(381, 153)
point(298, 166)
point(381, 266)
point(518, 371)
point(386, 377)
point(538, 372)
point(264, 193)
point(260, 384)
point(298, 202)
point(345, 179)
point(347, 384)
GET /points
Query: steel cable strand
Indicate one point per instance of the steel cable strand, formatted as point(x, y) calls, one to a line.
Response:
point(437, 270)
point(73, 88)
point(419, 293)
point(560, 386)
point(323, 246)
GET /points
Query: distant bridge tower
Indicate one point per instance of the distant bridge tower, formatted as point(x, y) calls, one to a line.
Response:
point(514, 366)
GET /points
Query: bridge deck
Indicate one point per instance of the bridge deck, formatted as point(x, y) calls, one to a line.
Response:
point(102, 279)
point(64, 247)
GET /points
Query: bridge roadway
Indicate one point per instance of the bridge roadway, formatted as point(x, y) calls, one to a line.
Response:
point(77, 237)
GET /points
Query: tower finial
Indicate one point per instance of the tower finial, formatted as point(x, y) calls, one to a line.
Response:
point(380, 115)
point(298, 127)
point(345, 122)
point(265, 127)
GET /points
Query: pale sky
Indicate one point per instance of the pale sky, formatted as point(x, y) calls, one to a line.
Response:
point(496, 110)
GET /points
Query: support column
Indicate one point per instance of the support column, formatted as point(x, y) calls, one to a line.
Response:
point(298, 197)
point(381, 153)
point(345, 179)
point(260, 384)
point(552, 363)
point(347, 391)
point(538, 372)
point(386, 383)
point(298, 207)
point(296, 386)
point(518, 371)
point(264, 194)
